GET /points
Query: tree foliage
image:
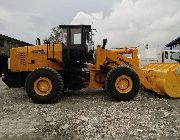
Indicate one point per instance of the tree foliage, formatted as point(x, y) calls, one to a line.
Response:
point(55, 34)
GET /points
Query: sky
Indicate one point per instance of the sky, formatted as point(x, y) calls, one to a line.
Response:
point(122, 22)
point(28, 19)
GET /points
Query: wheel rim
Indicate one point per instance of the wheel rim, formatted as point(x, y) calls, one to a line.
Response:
point(123, 84)
point(42, 86)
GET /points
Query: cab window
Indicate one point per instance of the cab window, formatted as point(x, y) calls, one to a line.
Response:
point(63, 36)
point(75, 36)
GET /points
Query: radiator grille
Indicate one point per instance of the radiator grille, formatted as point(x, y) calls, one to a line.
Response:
point(23, 58)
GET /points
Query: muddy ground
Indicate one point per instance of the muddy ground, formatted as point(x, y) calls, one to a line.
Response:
point(88, 114)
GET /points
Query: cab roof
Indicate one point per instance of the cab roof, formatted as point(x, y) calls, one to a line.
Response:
point(75, 26)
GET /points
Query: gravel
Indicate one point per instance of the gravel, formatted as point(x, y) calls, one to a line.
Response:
point(88, 114)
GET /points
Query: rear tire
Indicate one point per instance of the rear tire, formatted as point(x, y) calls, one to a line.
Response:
point(43, 85)
point(119, 91)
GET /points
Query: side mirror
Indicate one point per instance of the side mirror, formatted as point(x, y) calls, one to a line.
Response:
point(104, 43)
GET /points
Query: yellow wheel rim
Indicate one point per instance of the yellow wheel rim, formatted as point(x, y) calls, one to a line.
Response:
point(42, 86)
point(123, 84)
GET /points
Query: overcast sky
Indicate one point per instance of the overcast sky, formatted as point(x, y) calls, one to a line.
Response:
point(28, 19)
point(123, 22)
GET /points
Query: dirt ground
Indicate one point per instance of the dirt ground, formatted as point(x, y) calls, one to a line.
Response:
point(88, 114)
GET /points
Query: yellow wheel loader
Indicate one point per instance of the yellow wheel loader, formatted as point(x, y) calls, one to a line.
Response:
point(49, 69)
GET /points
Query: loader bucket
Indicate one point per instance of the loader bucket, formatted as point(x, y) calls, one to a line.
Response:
point(164, 78)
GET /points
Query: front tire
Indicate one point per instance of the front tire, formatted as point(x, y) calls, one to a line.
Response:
point(43, 85)
point(122, 83)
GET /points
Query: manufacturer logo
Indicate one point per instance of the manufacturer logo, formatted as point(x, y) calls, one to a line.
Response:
point(38, 52)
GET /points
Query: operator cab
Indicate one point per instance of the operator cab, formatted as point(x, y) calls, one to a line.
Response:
point(78, 46)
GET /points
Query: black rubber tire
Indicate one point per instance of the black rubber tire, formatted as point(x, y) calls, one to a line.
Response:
point(111, 79)
point(53, 76)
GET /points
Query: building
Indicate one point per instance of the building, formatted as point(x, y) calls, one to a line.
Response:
point(156, 55)
point(6, 43)
point(174, 45)
point(150, 55)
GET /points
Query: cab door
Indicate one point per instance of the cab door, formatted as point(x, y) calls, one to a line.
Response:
point(77, 57)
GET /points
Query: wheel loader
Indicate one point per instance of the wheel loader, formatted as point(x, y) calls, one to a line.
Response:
point(47, 70)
